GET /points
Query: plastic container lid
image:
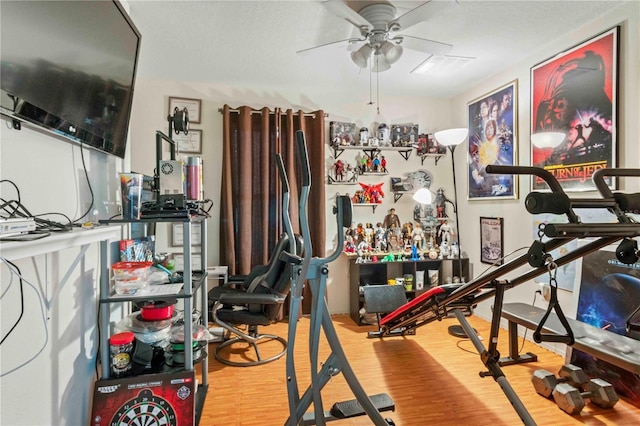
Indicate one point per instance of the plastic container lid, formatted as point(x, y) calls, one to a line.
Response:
point(131, 265)
point(122, 338)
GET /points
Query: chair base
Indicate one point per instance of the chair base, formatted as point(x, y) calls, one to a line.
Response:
point(262, 338)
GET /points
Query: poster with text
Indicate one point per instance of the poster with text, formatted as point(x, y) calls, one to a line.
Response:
point(575, 94)
point(493, 139)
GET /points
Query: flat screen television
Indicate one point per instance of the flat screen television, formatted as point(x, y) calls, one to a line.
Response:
point(70, 67)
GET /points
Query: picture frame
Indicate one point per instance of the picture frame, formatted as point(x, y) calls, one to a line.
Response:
point(342, 134)
point(176, 234)
point(405, 134)
point(196, 261)
point(493, 139)
point(194, 107)
point(491, 240)
point(583, 82)
point(189, 143)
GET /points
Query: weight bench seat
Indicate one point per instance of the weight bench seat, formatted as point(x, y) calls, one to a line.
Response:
point(621, 351)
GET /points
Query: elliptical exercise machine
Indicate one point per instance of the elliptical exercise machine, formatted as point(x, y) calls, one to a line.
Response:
point(315, 270)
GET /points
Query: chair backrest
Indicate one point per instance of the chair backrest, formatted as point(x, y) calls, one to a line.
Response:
point(275, 278)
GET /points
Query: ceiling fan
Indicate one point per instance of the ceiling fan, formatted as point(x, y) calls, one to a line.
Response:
point(379, 39)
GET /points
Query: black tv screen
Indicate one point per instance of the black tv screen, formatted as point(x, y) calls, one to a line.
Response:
point(70, 66)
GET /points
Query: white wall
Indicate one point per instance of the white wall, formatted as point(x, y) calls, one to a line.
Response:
point(518, 224)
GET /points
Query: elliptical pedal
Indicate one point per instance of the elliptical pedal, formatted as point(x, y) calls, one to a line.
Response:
point(352, 408)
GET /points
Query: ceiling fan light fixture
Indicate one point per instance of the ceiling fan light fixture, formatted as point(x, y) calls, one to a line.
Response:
point(361, 56)
point(380, 63)
point(391, 52)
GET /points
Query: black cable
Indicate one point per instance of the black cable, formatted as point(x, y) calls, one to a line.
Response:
point(86, 174)
point(14, 185)
point(21, 302)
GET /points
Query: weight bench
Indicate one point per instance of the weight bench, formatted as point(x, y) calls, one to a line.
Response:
point(424, 309)
point(382, 299)
point(621, 351)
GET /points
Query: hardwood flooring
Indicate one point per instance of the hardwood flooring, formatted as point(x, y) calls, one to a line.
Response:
point(432, 377)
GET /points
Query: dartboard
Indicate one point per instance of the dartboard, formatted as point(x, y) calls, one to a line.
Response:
point(146, 409)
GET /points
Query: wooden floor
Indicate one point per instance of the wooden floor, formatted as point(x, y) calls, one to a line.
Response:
point(432, 377)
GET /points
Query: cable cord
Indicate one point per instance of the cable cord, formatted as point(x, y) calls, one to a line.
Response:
point(15, 271)
point(12, 265)
point(500, 260)
point(86, 175)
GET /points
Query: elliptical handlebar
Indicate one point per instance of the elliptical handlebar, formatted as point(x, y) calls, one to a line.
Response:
point(528, 170)
point(286, 197)
point(304, 195)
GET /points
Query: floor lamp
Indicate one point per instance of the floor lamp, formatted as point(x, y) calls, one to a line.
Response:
point(452, 138)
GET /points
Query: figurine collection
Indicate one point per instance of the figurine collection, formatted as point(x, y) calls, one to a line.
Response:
point(391, 240)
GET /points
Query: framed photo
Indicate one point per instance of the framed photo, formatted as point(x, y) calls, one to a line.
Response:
point(493, 139)
point(190, 143)
point(491, 240)
point(342, 134)
point(192, 105)
point(404, 134)
point(176, 234)
point(196, 261)
point(575, 93)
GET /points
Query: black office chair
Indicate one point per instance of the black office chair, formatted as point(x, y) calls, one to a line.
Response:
point(253, 302)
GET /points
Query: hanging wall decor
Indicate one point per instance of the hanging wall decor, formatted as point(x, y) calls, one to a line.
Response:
point(575, 94)
point(493, 139)
point(192, 105)
point(491, 240)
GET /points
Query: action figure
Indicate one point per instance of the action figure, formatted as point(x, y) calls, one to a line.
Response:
point(391, 219)
point(418, 236)
point(445, 233)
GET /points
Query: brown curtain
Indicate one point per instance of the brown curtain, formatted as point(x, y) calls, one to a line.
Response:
point(251, 205)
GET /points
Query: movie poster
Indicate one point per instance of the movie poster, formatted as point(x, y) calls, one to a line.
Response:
point(493, 139)
point(575, 93)
point(609, 298)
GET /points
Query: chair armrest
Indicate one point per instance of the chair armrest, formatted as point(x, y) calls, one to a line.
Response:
point(245, 299)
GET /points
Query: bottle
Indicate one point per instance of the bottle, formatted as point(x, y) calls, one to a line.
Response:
point(121, 349)
point(194, 178)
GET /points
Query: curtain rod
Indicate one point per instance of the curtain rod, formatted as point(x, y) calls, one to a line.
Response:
point(306, 114)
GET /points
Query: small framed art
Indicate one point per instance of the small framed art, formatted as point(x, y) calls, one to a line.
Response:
point(176, 234)
point(196, 262)
point(189, 143)
point(491, 240)
point(192, 105)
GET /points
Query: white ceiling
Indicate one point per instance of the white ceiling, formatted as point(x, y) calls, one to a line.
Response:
point(254, 43)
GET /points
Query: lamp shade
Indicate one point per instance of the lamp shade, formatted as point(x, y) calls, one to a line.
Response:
point(380, 63)
point(547, 139)
point(361, 56)
point(423, 196)
point(391, 52)
point(451, 137)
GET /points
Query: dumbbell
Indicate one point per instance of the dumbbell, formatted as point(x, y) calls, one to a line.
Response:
point(545, 381)
point(598, 391)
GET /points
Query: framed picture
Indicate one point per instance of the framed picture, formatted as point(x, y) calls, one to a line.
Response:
point(575, 94)
point(176, 234)
point(190, 143)
point(404, 134)
point(192, 105)
point(491, 240)
point(196, 261)
point(493, 139)
point(342, 134)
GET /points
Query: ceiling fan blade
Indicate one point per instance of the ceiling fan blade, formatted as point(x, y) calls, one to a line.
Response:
point(340, 43)
point(426, 46)
point(421, 13)
point(340, 9)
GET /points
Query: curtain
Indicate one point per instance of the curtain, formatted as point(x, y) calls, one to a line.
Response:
point(251, 204)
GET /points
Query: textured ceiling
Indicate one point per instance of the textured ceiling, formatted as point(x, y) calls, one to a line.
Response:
point(254, 43)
